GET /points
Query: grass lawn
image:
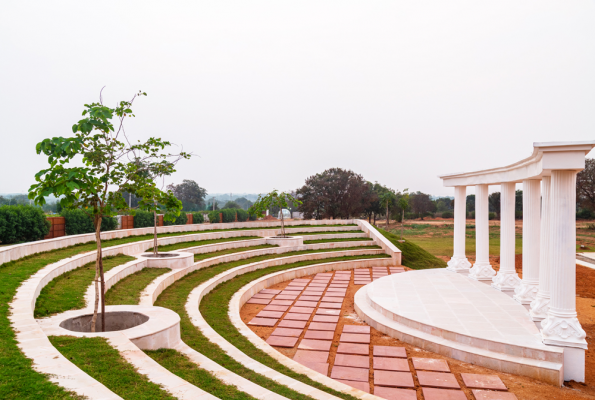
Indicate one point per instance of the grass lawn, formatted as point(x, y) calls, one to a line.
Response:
point(175, 296)
point(204, 256)
point(324, 233)
point(104, 363)
point(337, 240)
point(412, 255)
point(128, 290)
point(186, 245)
point(67, 291)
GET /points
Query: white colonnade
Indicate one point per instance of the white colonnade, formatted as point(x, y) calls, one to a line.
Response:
point(548, 286)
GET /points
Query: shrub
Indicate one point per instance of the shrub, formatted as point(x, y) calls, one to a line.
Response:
point(214, 217)
point(448, 214)
point(472, 214)
point(242, 215)
point(144, 219)
point(78, 222)
point(22, 223)
point(229, 215)
point(518, 215)
point(180, 220)
point(585, 214)
point(197, 218)
point(492, 215)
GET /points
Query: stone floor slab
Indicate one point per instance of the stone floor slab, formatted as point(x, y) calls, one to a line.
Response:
point(363, 386)
point(393, 379)
point(269, 314)
point(356, 329)
point(263, 296)
point(258, 301)
point(389, 351)
point(313, 293)
point(326, 318)
point(489, 395)
point(395, 394)
point(281, 302)
point(319, 335)
point(350, 374)
point(354, 338)
point(391, 364)
point(330, 305)
point(297, 317)
point(270, 291)
point(318, 345)
point(318, 367)
point(290, 293)
point(479, 381)
point(430, 364)
point(442, 394)
point(333, 299)
point(315, 299)
point(292, 332)
point(282, 341)
point(292, 324)
point(272, 307)
point(322, 326)
point(302, 356)
point(285, 297)
point(263, 321)
point(438, 379)
point(326, 311)
point(347, 360)
point(302, 303)
point(352, 348)
point(301, 310)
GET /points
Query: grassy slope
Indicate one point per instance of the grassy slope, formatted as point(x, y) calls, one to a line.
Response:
point(67, 291)
point(104, 363)
point(412, 255)
point(128, 290)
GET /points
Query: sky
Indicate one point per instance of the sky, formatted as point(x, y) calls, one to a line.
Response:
point(268, 93)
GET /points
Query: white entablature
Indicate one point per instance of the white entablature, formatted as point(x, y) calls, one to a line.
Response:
point(546, 157)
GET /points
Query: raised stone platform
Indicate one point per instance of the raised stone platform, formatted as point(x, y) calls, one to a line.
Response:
point(458, 317)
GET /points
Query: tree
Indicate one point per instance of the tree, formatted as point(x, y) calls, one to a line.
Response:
point(585, 186)
point(387, 198)
point(110, 166)
point(494, 203)
point(373, 208)
point(271, 200)
point(403, 204)
point(191, 195)
point(231, 204)
point(422, 204)
point(244, 203)
point(470, 200)
point(334, 193)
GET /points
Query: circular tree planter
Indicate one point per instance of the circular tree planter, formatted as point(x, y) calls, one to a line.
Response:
point(170, 260)
point(114, 321)
point(286, 241)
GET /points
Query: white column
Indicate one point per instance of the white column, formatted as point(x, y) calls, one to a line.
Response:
point(459, 263)
point(541, 304)
point(561, 327)
point(507, 279)
point(482, 270)
point(526, 292)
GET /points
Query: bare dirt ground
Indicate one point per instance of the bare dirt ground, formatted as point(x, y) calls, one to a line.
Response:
point(522, 387)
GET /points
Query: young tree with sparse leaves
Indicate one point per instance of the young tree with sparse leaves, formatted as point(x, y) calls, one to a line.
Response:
point(271, 200)
point(110, 166)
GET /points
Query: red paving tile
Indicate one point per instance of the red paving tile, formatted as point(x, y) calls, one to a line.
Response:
point(285, 297)
point(431, 364)
point(330, 305)
point(263, 296)
point(351, 348)
point(326, 311)
point(306, 304)
point(263, 321)
point(315, 299)
point(443, 394)
point(290, 293)
point(318, 367)
point(391, 364)
point(336, 290)
point(356, 329)
point(477, 381)
point(326, 318)
point(282, 341)
point(285, 323)
point(322, 326)
point(318, 345)
point(297, 317)
point(346, 360)
point(319, 335)
point(350, 374)
point(393, 379)
point(311, 356)
point(272, 307)
point(269, 314)
point(292, 332)
point(270, 291)
point(282, 302)
point(258, 301)
point(395, 394)
point(333, 299)
point(489, 395)
point(354, 338)
point(301, 310)
point(365, 386)
point(438, 379)
point(389, 351)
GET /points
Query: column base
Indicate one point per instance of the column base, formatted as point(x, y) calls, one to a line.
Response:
point(506, 282)
point(539, 308)
point(563, 331)
point(574, 364)
point(482, 272)
point(459, 265)
point(525, 293)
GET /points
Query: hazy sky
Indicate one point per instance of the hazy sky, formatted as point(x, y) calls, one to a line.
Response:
point(267, 93)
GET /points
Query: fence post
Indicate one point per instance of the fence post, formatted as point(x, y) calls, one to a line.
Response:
point(221, 217)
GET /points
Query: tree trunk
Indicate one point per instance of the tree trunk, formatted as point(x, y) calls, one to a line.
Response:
point(369, 218)
point(155, 249)
point(402, 222)
point(374, 219)
point(282, 224)
point(387, 219)
point(99, 291)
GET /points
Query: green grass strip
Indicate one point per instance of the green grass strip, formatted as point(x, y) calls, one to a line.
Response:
point(128, 289)
point(324, 233)
point(175, 297)
point(412, 255)
point(178, 364)
point(67, 291)
point(204, 256)
point(337, 240)
point(101, 361)
point(185, 245)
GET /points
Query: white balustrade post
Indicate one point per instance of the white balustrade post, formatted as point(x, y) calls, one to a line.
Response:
point(561, 327)
point(506, 280)
point(526, 292)
point(541, 304)
point(458, 262)
point(482, 270)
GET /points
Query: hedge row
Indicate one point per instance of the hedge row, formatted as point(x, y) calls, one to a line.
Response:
point(22, 223)
point(229, 215)
point(78, 222)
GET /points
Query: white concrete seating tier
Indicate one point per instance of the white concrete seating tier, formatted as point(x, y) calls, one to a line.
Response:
point(193, 311)
point(249, 290)
point(461, 318)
